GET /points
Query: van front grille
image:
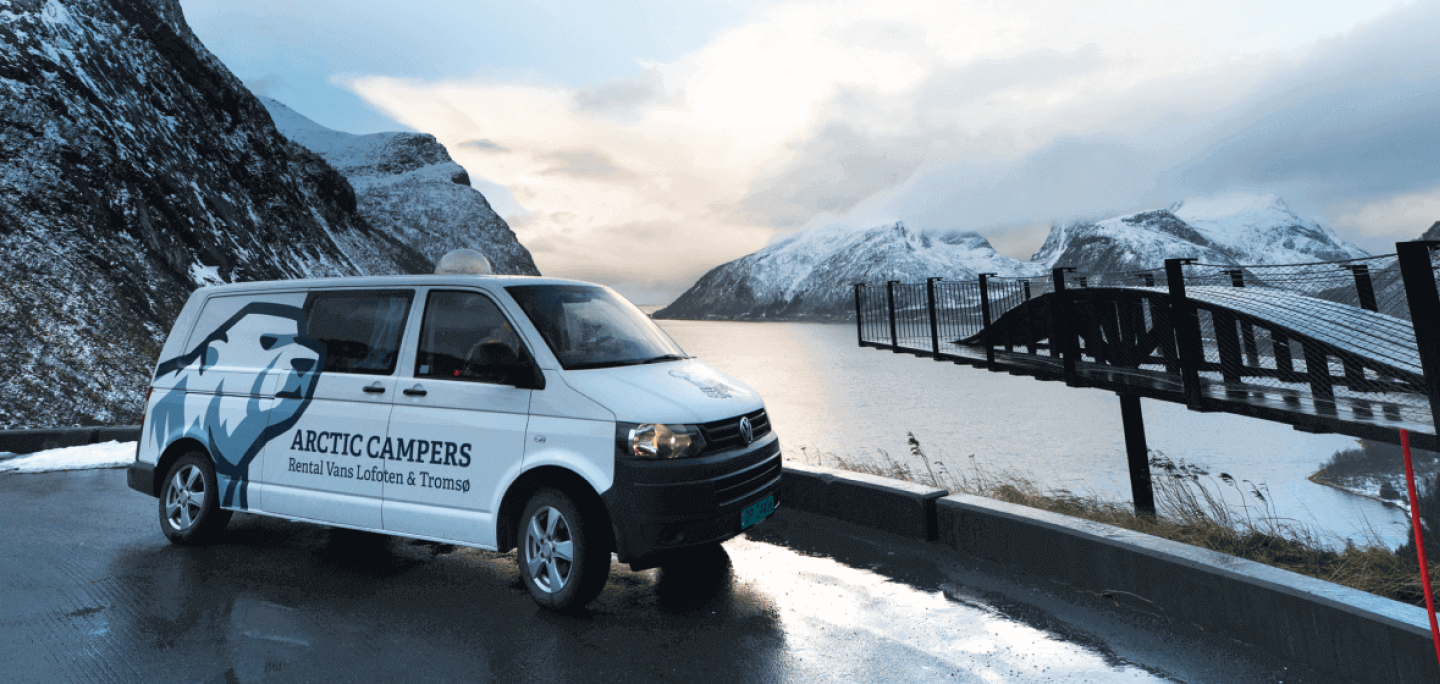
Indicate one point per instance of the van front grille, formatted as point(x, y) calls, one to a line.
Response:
point(725, 434)
point(738, 486)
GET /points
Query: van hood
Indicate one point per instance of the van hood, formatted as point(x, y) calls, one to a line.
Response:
point(688, 391)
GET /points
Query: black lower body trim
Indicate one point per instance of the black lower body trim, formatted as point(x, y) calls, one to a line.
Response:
point(141, 478)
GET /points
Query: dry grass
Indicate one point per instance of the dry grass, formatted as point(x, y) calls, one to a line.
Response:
point(1211, 511)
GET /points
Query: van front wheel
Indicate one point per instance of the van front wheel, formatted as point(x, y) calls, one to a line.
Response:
point(562, 558)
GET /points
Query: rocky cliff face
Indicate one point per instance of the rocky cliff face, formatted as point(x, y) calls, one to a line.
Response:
point(408, 188)
point(134, 167)
point(811, 275)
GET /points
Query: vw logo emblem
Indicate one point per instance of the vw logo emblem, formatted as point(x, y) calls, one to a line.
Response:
point(747, 433)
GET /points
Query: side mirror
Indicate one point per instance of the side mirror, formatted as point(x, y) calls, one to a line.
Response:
point(524, 376)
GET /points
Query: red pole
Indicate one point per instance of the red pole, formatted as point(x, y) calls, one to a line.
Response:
point(1420, 540)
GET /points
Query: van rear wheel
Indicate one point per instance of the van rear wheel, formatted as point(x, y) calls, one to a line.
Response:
point(562, 558)
point(190, 512)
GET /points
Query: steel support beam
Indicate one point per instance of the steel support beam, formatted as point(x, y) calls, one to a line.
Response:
point(1142, 492)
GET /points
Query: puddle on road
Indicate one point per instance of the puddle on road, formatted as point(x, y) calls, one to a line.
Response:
point(854, 623)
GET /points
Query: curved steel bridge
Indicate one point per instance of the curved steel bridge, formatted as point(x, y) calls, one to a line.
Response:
point(1326, 347)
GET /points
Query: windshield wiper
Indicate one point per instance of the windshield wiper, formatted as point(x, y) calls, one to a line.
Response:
point(666, 357)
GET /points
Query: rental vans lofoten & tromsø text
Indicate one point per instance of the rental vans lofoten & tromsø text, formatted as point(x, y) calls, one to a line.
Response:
point(489, 411)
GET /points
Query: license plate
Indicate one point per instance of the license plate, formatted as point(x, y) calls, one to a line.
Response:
point(757, 511)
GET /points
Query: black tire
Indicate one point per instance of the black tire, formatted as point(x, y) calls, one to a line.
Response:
point(190, 513)
point(550, 520)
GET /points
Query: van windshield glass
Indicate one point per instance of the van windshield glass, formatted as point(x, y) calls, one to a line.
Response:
point(588, 326)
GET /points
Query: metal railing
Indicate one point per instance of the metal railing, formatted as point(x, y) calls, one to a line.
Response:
point(1326, 347)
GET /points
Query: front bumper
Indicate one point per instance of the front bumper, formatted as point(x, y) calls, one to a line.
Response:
point(660, 506)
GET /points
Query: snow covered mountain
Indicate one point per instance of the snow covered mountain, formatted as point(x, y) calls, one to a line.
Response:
point(810, 275)
point(1230, 229)
point(407, 187)
point(136, 167)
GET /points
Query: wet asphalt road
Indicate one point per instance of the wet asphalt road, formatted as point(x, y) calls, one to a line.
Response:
point(91, 592)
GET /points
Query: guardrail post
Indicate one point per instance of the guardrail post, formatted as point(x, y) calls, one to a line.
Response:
point(1420, 291)
point(1364, 287)
point(934, 321)
point(890, 297)
point(859, 315)
point(985, 319)
point(1237, 277)
point(1185, 323)
point(1061, 339)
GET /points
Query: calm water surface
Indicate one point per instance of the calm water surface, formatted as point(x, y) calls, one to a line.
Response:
point(827, 395)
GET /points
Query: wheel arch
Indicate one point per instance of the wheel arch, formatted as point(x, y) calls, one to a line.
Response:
point(533, 480)
point(170, 455)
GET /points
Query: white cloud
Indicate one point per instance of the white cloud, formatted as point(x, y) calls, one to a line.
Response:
point(1398, 217)
point(991, 115)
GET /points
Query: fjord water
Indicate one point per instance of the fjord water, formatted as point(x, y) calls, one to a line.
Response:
point(827, 395)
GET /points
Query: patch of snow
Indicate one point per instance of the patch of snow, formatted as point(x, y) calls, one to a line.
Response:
point(110, 454)
point(1222, 206)
point(206, 275)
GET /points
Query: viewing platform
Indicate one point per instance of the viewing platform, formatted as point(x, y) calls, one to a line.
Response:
point(1349, 347)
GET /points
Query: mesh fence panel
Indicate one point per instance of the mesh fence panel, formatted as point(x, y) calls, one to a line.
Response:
point(958, 311)
point(874, 315)
point(912, 316)
point(1332, 336)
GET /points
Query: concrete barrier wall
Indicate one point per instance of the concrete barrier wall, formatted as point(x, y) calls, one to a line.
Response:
point(31, 441)
point(1356, 635)
point(894, 506)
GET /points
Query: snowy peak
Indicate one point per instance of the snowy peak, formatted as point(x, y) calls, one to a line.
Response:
point(810, 274)
point(1125, 243)
point(1261, 229)
point(1224, 229)
point(408, 187)
point(366, 158)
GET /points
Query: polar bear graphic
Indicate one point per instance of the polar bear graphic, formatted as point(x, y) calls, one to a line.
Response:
point(217, 397)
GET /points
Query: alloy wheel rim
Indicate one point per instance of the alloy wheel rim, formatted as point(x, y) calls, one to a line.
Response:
point(549, 550)
point(185, 498)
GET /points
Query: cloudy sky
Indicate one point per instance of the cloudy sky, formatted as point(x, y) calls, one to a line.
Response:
point(640, 144)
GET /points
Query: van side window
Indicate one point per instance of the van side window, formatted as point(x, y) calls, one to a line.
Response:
point(466, 337)
point(360, 328)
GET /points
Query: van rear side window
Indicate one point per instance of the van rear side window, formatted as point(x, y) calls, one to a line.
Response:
point(360, 328)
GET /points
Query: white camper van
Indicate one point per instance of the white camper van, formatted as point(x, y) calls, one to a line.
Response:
point(489, 411)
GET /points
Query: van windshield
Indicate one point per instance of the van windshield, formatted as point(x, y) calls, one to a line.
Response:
point(588, 326)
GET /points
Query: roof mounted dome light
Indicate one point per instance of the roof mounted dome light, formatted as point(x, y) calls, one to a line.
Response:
point(464, 262)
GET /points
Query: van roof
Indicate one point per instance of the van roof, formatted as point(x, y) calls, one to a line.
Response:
point(387, 281)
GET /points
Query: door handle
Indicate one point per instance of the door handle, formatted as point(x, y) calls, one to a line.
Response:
point(416, 391)
point(376, 388)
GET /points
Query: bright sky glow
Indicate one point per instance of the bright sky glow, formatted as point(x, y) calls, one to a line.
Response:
point(642, 144)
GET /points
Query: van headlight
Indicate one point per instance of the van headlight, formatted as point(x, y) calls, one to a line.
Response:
point(658, 440)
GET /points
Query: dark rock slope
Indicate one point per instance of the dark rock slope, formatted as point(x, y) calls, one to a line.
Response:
point(408, 187)
point(134, 167)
